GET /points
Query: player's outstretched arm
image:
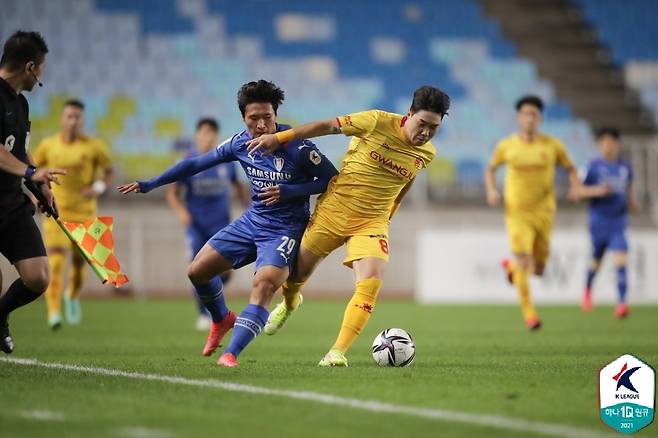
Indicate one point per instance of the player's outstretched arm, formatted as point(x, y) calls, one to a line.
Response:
point(493, 196)
point(178, 171)
point(267, 143)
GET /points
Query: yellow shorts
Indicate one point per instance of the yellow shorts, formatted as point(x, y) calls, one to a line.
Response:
point(53, 236)
point(529, 235)
point(363, 237)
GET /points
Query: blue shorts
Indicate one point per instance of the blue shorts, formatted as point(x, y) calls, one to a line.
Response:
point(198, 236)
point(613, 239)
point(245, 241)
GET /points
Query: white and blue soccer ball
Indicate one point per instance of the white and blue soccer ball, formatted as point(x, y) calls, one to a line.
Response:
point(393, 347)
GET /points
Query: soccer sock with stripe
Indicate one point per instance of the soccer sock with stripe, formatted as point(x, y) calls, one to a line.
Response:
point(76, 278)
point(211, 295)
point(291, 291)
point(521, 281)
point(357, 312)
point(56, 263)
point(248, 325)
point(16, 296)
point(621, 283)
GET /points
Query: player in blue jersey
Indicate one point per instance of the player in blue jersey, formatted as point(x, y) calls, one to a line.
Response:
point(203, 201)
point(612, 197)
point(268, 233)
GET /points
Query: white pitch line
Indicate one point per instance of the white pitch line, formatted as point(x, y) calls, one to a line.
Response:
point(496, 421)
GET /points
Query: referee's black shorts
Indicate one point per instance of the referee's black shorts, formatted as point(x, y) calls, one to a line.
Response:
point(20, 237)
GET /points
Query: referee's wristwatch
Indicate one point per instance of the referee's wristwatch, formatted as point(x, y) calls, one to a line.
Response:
point(29, 172)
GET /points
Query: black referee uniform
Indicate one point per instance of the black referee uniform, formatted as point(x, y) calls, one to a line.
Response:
point(19, 236)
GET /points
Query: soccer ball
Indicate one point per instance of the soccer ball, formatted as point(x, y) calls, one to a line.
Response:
point(393, 347)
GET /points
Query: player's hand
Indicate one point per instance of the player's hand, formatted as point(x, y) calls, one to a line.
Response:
point(266, 143)
point(634, 206)
point(46, 176)
point(493, 198)
point(132, 187)
point(51, 201)
point(89, 193)
point(270, 195)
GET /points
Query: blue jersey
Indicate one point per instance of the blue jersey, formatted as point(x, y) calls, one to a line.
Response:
point(293, 164)
point(610, 210)
point(208, 196)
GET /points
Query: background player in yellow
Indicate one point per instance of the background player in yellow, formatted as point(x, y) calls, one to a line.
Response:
point(385, 154)
point(89, 172)
point(531, 158)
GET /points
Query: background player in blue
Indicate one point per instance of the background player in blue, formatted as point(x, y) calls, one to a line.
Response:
point(205, 207)
point(268, 233)
point(611, 198)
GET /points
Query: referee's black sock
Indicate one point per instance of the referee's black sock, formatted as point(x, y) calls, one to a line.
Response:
point(16, 296)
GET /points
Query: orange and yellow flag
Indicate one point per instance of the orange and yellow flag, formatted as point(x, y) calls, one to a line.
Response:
point(94, 239)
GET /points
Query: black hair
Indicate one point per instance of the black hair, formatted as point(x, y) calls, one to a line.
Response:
point(21, 48)
point(530, 100)
point(260, 92)
point(430, 99)
point(74, 103)
point(607, 130)
point(208, 121)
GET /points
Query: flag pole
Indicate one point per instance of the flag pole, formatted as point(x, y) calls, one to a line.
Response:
point(32, 187)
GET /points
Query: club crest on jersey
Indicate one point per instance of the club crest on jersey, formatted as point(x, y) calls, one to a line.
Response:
point(9, 143)
point(419, 163)
point(278, 163)
point(315, 157)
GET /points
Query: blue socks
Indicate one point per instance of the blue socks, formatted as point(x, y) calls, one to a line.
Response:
point(211, 294)
point(621, 283)
point(248, 325)
point(590, 278)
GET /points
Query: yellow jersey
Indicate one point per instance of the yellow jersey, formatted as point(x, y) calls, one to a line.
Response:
point(378, 164)
point(82, 159)
point(529, 181)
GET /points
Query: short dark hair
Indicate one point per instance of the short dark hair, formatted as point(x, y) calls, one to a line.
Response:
point(607, 130)
point(430, 99)
point(208, 121)
point(74, 103)
point(260, 92)
point(530, 100)
point(21, 48)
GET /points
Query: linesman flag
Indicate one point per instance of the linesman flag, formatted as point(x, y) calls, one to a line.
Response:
point(92, 238)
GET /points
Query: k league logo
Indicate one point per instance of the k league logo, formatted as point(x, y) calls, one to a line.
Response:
point(278, 163)
point(627, 394)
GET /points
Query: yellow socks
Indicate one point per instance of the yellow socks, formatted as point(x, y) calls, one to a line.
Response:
point(358, 312)
point(291, 294)
point(56, 262)
point(76, 278)
point(522, 283)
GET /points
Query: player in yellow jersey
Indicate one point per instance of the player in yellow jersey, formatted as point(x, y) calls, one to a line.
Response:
point(531, 158)
point(89, 172)
point(385, 154)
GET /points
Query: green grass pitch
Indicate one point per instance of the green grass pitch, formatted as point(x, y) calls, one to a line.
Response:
point(478, 360)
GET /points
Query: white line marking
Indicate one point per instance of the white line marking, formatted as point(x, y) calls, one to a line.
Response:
point(141, 432)
point(484, 420)
point(43, 415)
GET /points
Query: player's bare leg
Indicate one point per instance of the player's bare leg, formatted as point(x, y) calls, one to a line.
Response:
point(307, 261)
point(368, 273)
point(205, 269)
point(267, 281)
point(586, 304)
point(33, 281)
point(56, 264)
point(523, 268)
point(620, 259)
